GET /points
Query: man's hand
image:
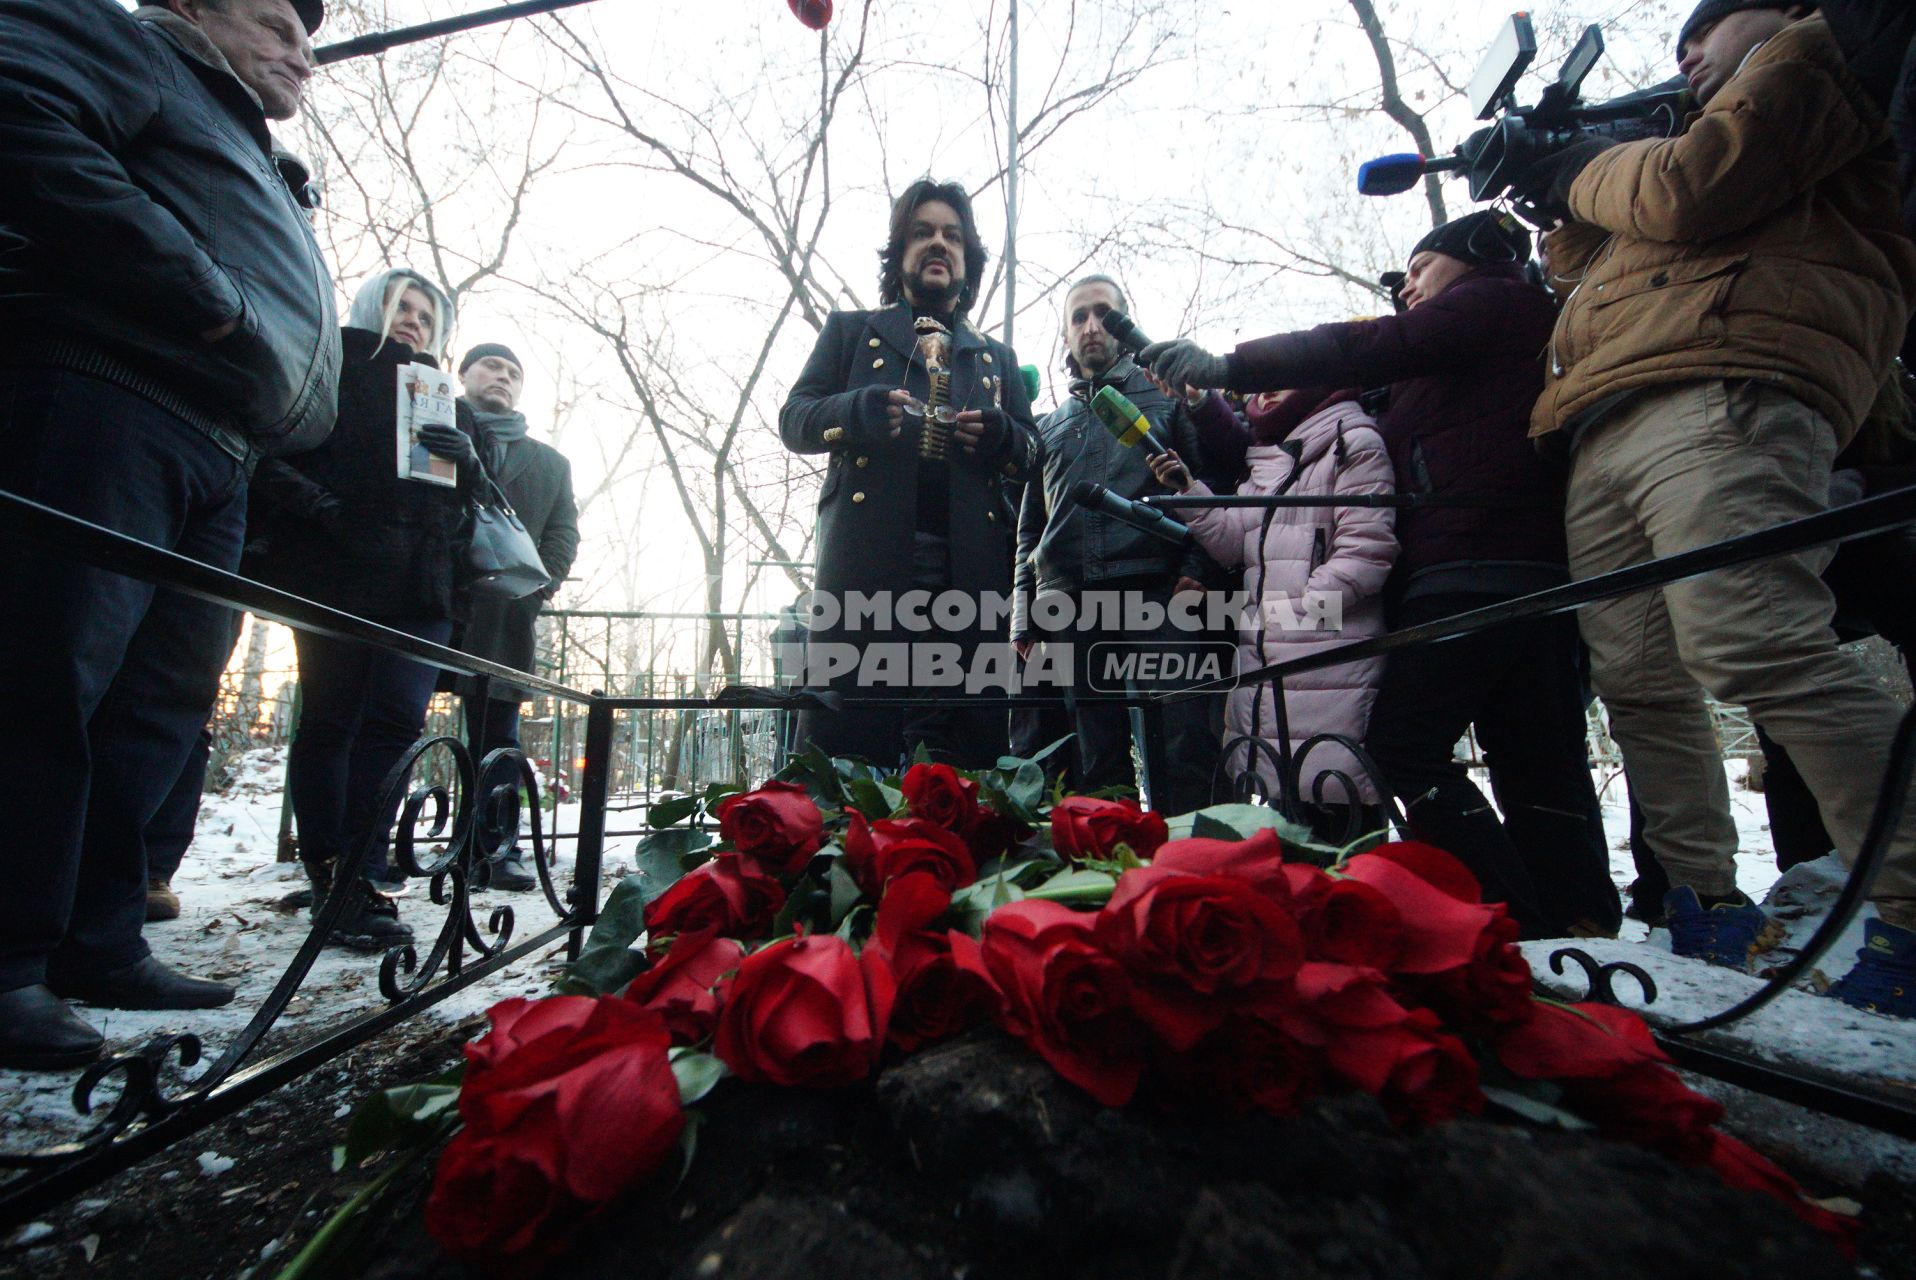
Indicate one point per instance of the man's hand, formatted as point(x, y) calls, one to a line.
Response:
point(1023, 647)
point(1545, 178)
point(449, 442)
point(1187, 583)
point(1170, 470)
point(1183, 363)
point(895, 402)
point(983, 431)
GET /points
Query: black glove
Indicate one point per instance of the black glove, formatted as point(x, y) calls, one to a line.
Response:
point(995, 441)
point(1183, 363)
point(329, 513)
point(1545, 178)
point(450, 442)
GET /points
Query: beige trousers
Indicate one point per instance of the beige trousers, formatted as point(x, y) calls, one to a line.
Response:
point(1677, 468)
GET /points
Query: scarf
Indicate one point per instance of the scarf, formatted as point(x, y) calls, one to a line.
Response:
point(496, 431)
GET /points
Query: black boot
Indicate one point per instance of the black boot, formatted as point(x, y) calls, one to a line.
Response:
point(144, 984)
point(39, 1033)
point(505, 871)
point(370, 922)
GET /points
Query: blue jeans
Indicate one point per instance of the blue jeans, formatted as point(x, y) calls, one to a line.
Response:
point(107, 679)
point(360, 710)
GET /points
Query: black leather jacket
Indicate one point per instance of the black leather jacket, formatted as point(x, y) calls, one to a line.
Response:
point(1063, 546)
point(141, 208)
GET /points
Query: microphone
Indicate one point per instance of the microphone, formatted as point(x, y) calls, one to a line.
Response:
point(1124, 331)
point(1096, 497)
point(1394, 175)
point(1125, 421)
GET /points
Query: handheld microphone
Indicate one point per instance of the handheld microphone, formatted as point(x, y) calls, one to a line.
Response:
point(1098, 498)
point(1394, 175)
point(1124, 331)
point(1125, 421)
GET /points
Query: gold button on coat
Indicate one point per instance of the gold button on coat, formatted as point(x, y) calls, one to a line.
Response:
point(879, 363)
point(871, 342)
point(987, 357)
point(864, 462)
point(858, 497)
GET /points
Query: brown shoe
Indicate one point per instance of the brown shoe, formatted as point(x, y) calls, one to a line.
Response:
point(161, 902)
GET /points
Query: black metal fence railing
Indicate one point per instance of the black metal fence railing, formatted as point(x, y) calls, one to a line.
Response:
point(148, 1116)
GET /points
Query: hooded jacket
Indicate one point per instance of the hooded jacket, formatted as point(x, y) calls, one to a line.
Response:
point(143, 208)
point(1297, 560)
point(391, 549)
point(1464, 370)
point(1764, 243)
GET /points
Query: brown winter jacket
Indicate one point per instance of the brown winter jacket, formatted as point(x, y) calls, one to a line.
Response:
point(1765, 242)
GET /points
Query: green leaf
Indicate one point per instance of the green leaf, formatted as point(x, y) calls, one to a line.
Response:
point(851, 926)
point(1236, 822)
point(1536, 1110)
point(607, 962)
point(664, 856)
point(818, 774)
point(845, 893)
point(1027, 786)
point(668, 813)
point(1087, 888)
point(718, 791)
point(697, 1073)
point(868, 795)
point(688, 1145)
point(395, 1119)
point(1011, 764)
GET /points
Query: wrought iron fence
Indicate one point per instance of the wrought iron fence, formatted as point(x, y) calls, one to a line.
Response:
point(149, 1115)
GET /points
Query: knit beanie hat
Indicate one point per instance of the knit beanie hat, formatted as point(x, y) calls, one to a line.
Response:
point(1717, 10)
point(312, 13)
point(1479, 238)
point(485, 349)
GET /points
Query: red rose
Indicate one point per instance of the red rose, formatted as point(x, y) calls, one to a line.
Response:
point(1432, 1076)
point(1083, 827)
point(991, 834)
point(1247, 1064)
point(1200, 946)
point(937, 794)
point(498, 1210)
point(1337, 1003)
point(1258, 859)
point(1492, 990)
point(678, 986)
point(1613, 1074)
point(727, 894)
point(806, 1011)
point(1441, 930)
point(1347, 921)
point(1065, 997)
point(776, 826)
point(813, 13)
point(1435, 866)
point(937, 996)
point(567, 1102)
point(889, 849)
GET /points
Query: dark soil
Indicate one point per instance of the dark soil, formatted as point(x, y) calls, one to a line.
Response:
point(975, 1160)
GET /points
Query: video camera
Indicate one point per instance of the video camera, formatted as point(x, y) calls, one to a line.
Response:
point(1494, 158)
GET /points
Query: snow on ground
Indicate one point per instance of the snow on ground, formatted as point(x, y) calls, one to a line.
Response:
point(235, 925)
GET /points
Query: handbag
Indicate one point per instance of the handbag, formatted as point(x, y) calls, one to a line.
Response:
point(502, 560)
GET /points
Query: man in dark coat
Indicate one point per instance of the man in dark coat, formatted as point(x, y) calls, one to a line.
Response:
point(1463, 367)
point(537, 481)
point(165, 316)
point(1067, 549)
point(923, 420)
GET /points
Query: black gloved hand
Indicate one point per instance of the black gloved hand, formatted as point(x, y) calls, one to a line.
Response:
point(450, 442)
point(993, 431)
point(329, 513)
point(1545, 177)
point(1183, 363)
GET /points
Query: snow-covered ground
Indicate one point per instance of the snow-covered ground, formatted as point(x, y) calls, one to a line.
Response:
point(235, 925)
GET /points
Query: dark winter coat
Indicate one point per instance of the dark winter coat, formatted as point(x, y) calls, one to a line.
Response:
point(867, 509)
point(395, 548)
point(1464, 370)
point(1878, 40)
point(537, 481)
point(141, 208)
point(1065, 547)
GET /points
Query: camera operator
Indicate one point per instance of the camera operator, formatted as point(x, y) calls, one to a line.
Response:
point(1735, 296)
point(1462, 364)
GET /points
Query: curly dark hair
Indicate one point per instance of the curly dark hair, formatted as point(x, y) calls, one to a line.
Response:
point(891, 258)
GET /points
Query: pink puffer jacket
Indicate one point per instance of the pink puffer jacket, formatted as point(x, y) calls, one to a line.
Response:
point(1307, 569)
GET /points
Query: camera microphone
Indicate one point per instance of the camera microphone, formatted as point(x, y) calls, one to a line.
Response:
point(1098, 498)
point(1124, 331)
point(1125, 421)
point(1394, 175)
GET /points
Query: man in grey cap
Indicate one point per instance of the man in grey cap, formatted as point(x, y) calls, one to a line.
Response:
point(537, 481)
point(165, 319)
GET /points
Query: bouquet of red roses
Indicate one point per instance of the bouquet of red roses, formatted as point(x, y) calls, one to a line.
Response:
point(840, 916)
